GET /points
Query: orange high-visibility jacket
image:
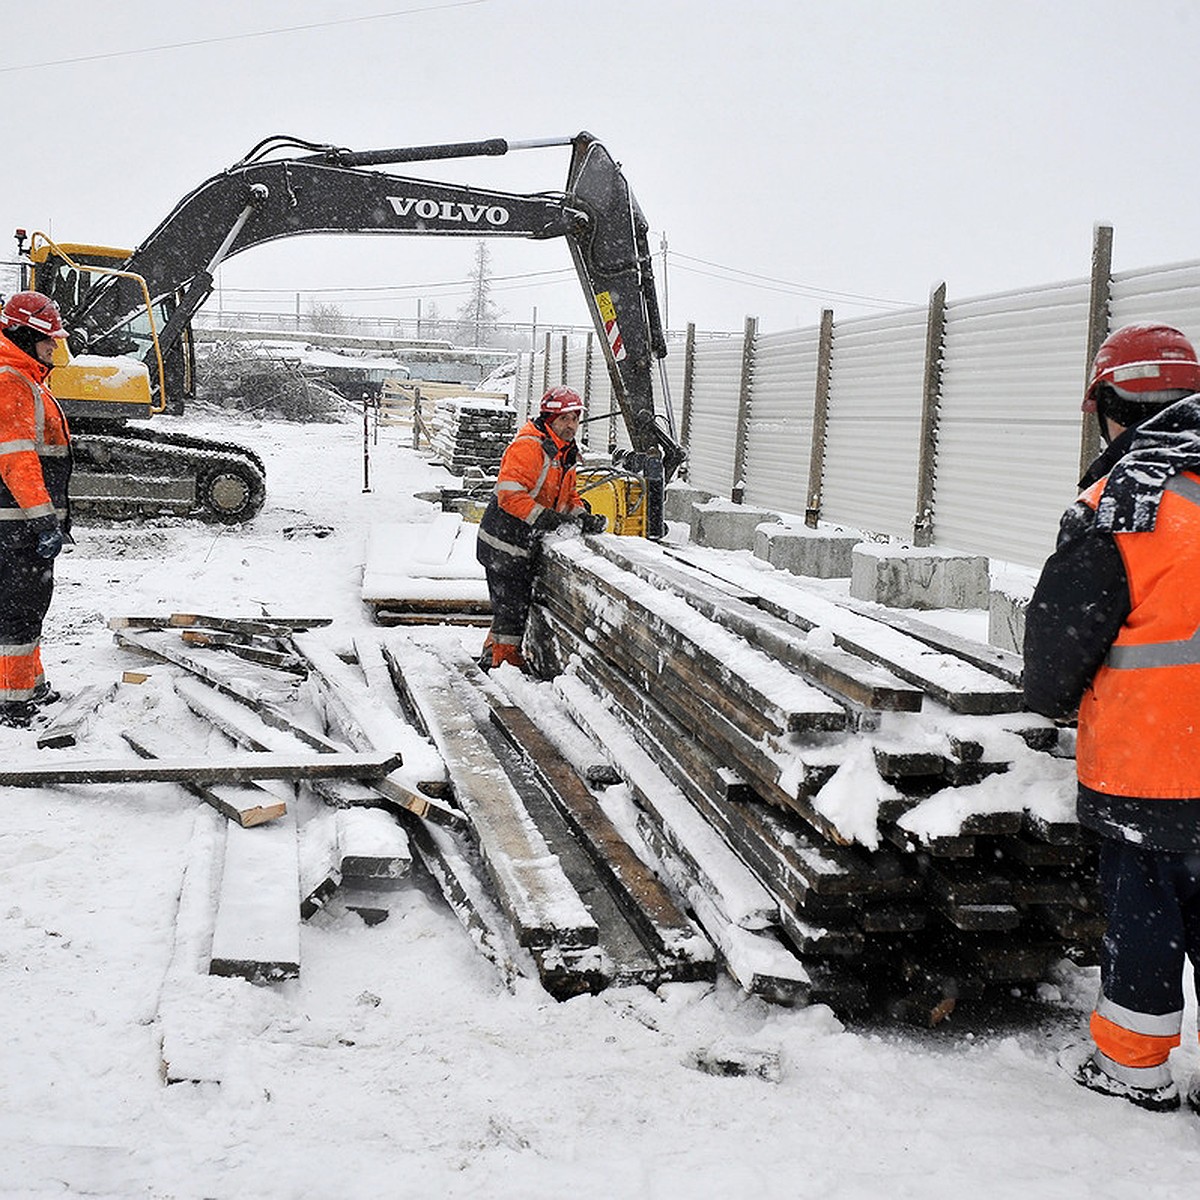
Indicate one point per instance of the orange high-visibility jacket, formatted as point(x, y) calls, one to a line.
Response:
point(34, 444)
point(1139, 722)
point(537, 472)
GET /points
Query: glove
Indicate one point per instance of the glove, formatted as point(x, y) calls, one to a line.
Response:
point(548, 519)
point(49, 536)
point(593, 522)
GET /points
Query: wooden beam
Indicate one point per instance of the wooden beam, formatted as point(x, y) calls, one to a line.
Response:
point(70, 720)
point(245, 804)
point(201, 768)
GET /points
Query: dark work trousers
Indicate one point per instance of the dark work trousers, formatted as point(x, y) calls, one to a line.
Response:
point(26, 586)
point(510, 589)
point(1152, 898)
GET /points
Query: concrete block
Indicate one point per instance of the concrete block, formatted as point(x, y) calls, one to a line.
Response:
point(723, 525)
point(1006, 617)
point(678, 499)
point(819, 553)
point(901, 577)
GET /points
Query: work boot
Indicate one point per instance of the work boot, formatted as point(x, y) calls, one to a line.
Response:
point(485, 654)
point(1164, 1098)
point(17, 714)
point(45, 694)
point(1193, 1096)
point(505, 652)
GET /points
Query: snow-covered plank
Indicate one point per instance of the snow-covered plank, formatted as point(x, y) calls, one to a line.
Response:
point(248, 728)
point(372, 847)
point(201, 768)
point(643, 898)
point(257, 931)
point(245, 804)
point(530, 884)
point(960, 685)
point(320, 862)
point(846, 675)
point(74, 716)
point(740, 896)
point(420, 562)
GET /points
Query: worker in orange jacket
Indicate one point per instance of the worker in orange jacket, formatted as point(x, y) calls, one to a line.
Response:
point(35, 469)
point(1112, 629)
point(535, 493)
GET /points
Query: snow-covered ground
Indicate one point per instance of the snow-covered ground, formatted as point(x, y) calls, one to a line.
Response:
point(397, 1065)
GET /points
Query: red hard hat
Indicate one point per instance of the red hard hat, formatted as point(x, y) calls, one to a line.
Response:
point(34, 311)
point(559, 400)
point(1144, 358)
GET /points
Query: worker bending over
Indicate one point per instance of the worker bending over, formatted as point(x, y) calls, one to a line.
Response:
point(35, 468)
point(535, 493)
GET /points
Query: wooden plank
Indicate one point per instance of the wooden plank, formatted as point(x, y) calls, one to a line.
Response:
point(448, 863)
point(191, 1020)
point(257, 931)
point(719, 662)
point(73, 717)
point(372, 848)
point(239, 645)
point(532, 889)
point(644, 899)
point(958, 684)
point(247, 729)
point(250, 682)
point(273, 625)
point(201, 769)
point(245, 804)
point(320, 863)
point(844, 675)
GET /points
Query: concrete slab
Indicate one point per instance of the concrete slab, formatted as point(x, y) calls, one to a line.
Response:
point(819, 553)
point(723, 525)
point(1006, 618)
point(903, 577)
point(678, 499)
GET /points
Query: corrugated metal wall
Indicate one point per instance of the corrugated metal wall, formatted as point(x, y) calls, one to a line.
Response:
point(716, 380)
point(872, 447)
point(1008, 421)
point(780, 425)
point(1005, 455)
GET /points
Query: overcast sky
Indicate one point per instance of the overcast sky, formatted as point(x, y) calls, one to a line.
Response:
point(839, 149)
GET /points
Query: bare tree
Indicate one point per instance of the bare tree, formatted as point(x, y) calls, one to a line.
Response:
point(478, 316)
point(326, 318)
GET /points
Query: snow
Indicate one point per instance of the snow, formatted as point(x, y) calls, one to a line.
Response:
point(398, 1064)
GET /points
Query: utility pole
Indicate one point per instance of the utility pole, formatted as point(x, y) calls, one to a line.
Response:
point(666, 293)
point(418, 319)
point(533, 332)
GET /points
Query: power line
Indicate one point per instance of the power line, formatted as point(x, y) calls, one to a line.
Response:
point(783, 284)
point(240, 37)
point(566, 272)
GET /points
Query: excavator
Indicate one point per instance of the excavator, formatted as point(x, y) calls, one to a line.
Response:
point(130, 351)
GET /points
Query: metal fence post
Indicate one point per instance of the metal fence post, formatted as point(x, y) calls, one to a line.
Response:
point(545, 367)
point(816, 459)
point(587, 385)
point(1098, 302)
point(743, 411)
point(562, 361)
point(931, 391)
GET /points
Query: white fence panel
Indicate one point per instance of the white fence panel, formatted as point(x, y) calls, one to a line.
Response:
point(1009, 422)
point(1167, 294)
point(872, 441)
point(780, 424)
point(716, 381)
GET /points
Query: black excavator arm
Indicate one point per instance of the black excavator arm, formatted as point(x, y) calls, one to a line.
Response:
point(284, 188)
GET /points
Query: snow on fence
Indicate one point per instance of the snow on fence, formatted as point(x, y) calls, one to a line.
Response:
point(954, 424)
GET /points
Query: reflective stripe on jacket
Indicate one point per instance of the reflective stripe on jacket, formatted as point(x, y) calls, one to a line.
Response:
point(537, 472)
point(1139, 722)
point(35, 453)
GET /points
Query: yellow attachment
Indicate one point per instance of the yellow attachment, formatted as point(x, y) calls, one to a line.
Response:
point(92, 379)
point(617, 496)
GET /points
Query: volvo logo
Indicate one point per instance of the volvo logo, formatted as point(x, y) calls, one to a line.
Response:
point(449, 210)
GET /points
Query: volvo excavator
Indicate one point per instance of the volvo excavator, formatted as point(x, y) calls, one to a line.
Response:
point(130, 352)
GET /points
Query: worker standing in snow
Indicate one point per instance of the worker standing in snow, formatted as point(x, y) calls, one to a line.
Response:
point(35, 468)
point(535, 493)
point(1112, 629)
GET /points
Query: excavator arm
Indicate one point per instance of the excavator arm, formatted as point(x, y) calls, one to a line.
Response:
point(275, 192)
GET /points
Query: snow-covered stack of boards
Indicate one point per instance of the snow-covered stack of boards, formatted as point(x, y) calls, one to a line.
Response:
point(470, 433)
point(912, 827)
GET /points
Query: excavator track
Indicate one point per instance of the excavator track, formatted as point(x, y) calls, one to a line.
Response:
point(146, 472)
